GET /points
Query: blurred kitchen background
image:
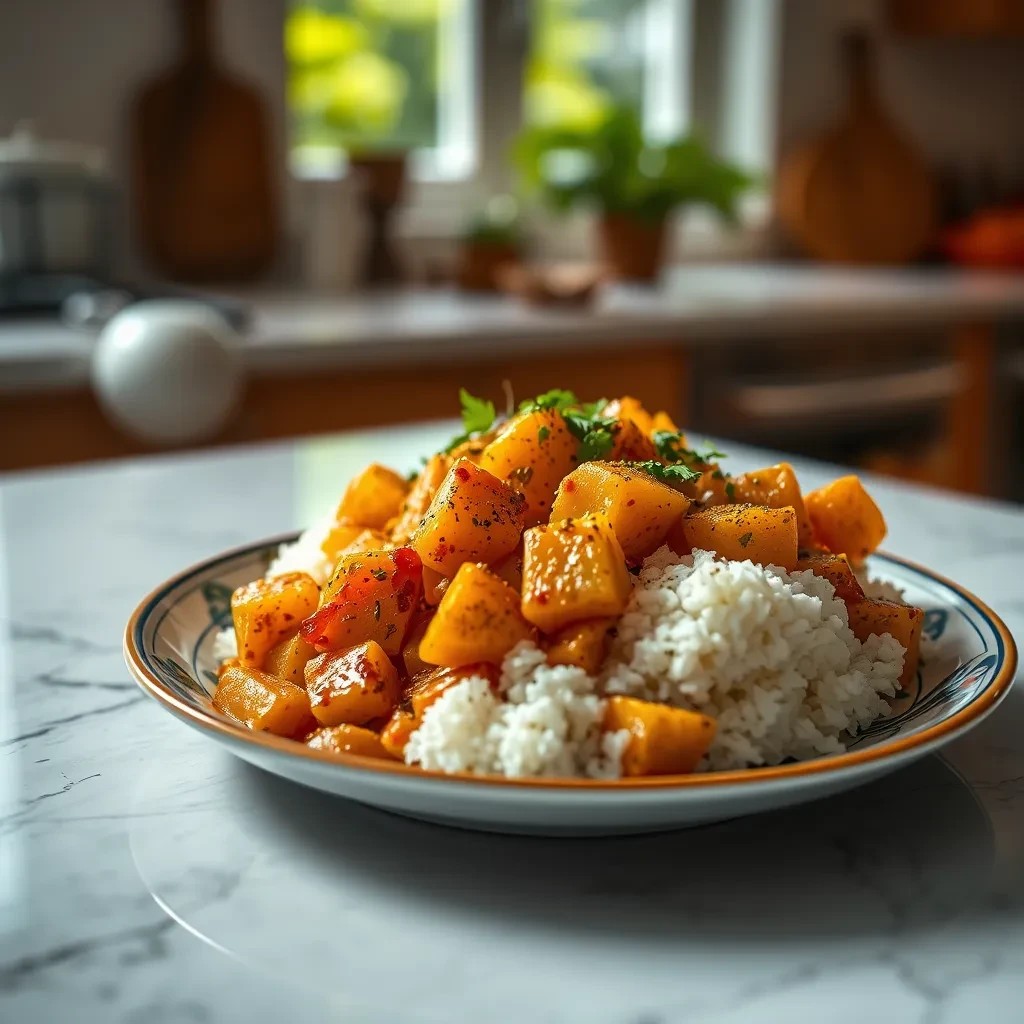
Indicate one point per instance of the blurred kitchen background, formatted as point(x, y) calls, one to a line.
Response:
point(793, 222)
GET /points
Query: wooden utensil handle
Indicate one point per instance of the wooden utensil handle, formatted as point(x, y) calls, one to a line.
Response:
point(195, 25)
point(857, 63)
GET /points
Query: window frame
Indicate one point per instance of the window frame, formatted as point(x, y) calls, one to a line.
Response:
point(714, 40)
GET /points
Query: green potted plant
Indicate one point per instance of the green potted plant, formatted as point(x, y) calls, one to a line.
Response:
point(632, 184)
point(491, 239)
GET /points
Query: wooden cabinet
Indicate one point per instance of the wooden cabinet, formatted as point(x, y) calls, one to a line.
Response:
point(957, 18)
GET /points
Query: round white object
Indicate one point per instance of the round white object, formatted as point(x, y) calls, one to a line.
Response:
point(168, 371)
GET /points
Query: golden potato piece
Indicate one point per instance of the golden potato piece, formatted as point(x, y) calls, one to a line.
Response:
point(739, 532)
point(352, 687)
point(572, 570)
point(845, 519)
point(477, 620)
point(348, 739)
point(474, 517)
point(373, 498)
point(662, 740)
point(263, 702)
point(641, 510)
point(268, 611)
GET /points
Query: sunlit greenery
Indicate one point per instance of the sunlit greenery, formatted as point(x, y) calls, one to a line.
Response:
point(612, 168)
point(364, 74)
point(584, 59)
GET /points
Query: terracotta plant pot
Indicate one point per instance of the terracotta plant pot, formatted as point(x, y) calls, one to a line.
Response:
point(634, 249)
point(479, 264)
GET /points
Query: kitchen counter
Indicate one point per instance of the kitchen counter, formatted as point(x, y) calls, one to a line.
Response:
point(147, 877)
point(695, 305)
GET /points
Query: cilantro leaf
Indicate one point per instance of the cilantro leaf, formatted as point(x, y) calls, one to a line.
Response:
point(543, 434)
point(478, 414)
point(676, 473)
point(669, 445)
point(595, 434)
point(557, 398)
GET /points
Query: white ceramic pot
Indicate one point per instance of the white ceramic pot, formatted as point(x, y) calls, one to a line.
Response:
point(168, 372)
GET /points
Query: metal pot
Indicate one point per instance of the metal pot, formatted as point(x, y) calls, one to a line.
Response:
point(55, 208)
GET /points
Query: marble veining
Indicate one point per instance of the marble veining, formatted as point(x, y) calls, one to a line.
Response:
point(145, 876)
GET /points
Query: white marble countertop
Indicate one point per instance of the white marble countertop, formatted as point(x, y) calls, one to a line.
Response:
point(146, 877)
point(693, 305)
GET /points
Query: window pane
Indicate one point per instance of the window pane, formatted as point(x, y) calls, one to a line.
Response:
point(587, 55)
point(373, 75)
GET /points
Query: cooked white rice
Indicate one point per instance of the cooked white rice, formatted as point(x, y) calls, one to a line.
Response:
point(305, 553)
point(768, 654)
point(879, 589)
point(549, 723)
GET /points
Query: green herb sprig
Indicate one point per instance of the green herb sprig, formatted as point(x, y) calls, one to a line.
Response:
point(478, 416)
point(676, 473)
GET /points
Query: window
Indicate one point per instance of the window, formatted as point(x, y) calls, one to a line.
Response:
point(453, 81)
point(586, 55)
point(381, 75)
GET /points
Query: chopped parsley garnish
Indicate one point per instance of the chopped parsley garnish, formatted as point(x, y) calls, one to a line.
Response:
point(677, 473)
point(557, 398)
point(669, 445)
point(596, 434)
point(543, 434)
point(379, 574)
point(478, 416)
point(730, 490)
point(746, 539)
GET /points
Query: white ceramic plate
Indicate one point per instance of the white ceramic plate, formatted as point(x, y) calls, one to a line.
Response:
point(968, 664)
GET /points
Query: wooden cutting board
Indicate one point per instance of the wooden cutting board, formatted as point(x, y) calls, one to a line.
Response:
point(203, 187)
point(860, 193)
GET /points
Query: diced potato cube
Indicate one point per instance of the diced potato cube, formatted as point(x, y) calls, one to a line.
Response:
point(477, 620)
point(348, 739)
point(288, 660)
point(629, 408)
point(901, 621)
point(661, 421)
point(364, 540)
point(341, 535)
point(353, 686)
point(419, 498)
point(837, 570)
point(631, 444)
point(845, 519)
point(574, 569)
point(396, 733)
point(531, 454)
point(263, 702)
point(641, 510)
point(663, 740)
point(434, 586)
point(372, 595)
point(510, 569)
point(583, 644)
point(374, 497)
point(268, 611)
point(739, 532)
point(776, 487)
point(414, 664)
point(474, 517)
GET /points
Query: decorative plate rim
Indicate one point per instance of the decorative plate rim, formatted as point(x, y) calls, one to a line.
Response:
point(958, 722)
